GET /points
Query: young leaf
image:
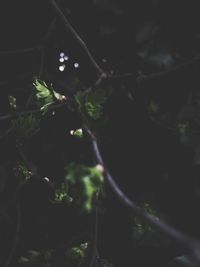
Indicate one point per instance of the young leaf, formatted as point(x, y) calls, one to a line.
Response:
point(62, 194)
point(182, 261)
point(77, 252)
point(46, 95)
point(22, 173)
point(77, 133)
point(91, 102)
point(85, 183)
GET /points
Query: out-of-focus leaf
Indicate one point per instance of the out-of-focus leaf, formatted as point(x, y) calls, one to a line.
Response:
point(22, 173)
point(104, 263)
point(25, 126)
point(182, 261)
point(85, 183)
point(62, 194)
point(138, 224)
point(91, 102)
point(77, 133)
point(78, 252)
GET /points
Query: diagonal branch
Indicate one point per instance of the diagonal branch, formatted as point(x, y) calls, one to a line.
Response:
point(76, 35)
point(192, 245)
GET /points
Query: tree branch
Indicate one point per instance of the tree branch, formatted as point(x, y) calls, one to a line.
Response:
point(76, 36)
point(179, 67)
point(31, 111)
point(95, 239)
point(192, 245)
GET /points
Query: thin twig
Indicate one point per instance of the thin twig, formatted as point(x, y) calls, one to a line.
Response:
point(182, 66)
point(147, 77)
point(95, 240)
point(31, 111)
point(76, 35)
point(16, 238)
point(192, 245)
point(20, 51)
point(49, 31)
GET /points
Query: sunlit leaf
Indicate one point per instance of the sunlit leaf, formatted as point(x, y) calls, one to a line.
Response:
point(46, 95)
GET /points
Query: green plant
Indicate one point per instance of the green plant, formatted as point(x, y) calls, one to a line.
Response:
point(25, 126)
point(22, 173)
point(91, 102)
point(46, 95)
point(62, 195)
point(138, 224)
point(85, 183)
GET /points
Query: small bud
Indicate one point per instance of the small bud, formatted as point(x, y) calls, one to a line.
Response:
point(78, 133)
point(100, 168)
point(63, 98)
point(84, 245)
point(47, 179)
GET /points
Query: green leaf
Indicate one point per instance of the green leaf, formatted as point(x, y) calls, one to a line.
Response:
point(22, 173)
point(91, 102)
point(139, 225)
point(77, 253)
point(62, 194)
point(85, 183)
point(41, 86)
point(153, 107)
point(46, 96)
point(25, 126)
point(77, 133)
point(182, 261)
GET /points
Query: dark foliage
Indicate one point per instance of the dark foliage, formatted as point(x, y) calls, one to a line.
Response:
point(136, 86)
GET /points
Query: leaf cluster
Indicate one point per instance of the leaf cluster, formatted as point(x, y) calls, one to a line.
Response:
point(85, 184)
point(90, 102)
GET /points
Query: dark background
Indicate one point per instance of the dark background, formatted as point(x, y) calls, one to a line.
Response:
point(149, 158)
